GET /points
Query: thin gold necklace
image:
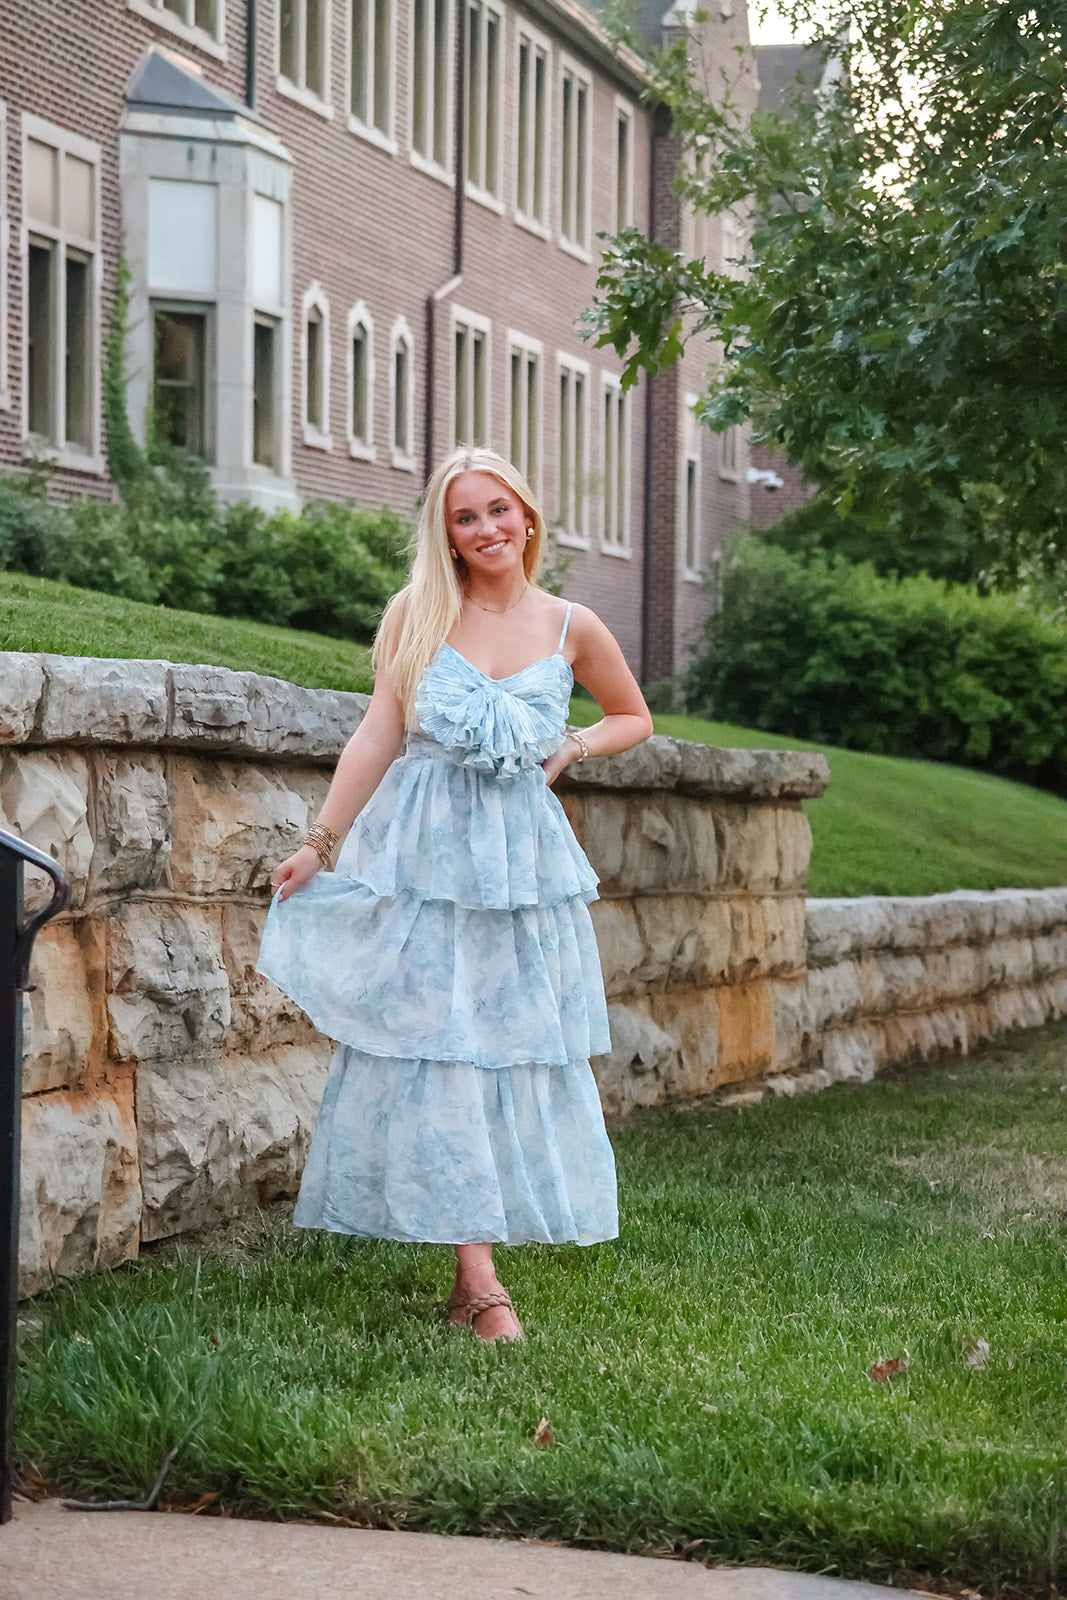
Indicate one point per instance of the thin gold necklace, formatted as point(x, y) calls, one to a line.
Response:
point(490, 610)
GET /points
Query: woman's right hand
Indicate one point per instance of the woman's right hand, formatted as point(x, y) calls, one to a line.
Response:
point(295, 873)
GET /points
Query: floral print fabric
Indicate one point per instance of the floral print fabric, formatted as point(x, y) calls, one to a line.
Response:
point(452, 956)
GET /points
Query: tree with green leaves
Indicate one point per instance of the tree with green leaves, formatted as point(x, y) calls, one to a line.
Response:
point(900, 328)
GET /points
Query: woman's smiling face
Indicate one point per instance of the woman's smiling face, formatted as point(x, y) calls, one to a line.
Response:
point(486, 523)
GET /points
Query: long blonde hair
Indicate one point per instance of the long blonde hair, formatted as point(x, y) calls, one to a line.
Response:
point(416, 621)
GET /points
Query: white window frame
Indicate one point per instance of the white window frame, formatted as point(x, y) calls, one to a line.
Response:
point(439, 56)
point(537, 43)
point(581, 153)
point(732, 245)
point(314, 299)
point(576, 535)
point(5, 245)
point(528, 350)
point(211, 42)
point(299, 91)
point(730, 444)
point(384, 138)
point(403, 460)
point(690, 538)
point(359, 317)
point(471, 323)
point(485, 102)
point(617, 544)
point(58, 451)
point(624, 112)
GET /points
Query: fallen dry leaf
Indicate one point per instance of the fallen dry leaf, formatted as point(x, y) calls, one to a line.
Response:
point(975, 1353)
point(543, 1433)
point(189, 1505)
point(888, 1367)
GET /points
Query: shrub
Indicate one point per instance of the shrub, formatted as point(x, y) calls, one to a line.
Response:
point(343, 566)
point(832, 652)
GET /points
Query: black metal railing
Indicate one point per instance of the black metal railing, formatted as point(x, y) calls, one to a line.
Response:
point(17, 933)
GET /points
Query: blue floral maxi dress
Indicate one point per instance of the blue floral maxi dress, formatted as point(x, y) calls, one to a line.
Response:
point(452, 955)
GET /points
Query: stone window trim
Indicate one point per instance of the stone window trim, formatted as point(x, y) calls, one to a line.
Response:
point(438, 80)
point(538, 221)
point(297, 89)
point(690, 492)
point(575, 533)
point(730, 454)
point(402, 426)
point(530, 351)
point(60, 453)
point(316, 437)
point(5, 246)
point(484, 104)
point(616, 411)
point(624, 182)
point(211, 43)
point(384, 138)
point(579, 136)
point(360, 448)
point(473, 428)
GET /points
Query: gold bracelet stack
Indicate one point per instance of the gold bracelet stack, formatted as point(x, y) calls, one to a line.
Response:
point(579, 740)
point(323, 841)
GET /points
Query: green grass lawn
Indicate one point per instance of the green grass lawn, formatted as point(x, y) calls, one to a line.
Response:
point(705, 1376)
point(885, 826)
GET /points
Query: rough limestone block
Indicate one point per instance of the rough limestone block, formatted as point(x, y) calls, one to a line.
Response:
point(1053, 995)
point(91, 701)
point(232, 821)
point(261, 1016)
point(640, 1052)
point(1008, 962)
point(850, 1055)
point(747, 1044)
point(891, 982)
point(133, 838)
point(620, 944)
point(21, 688)
point(80, 1193)
point(314, 724)
point(1050, 953)
point(794, 1038)
point(910, 1038)
point(217, 1134)
point(664, 763)
point(794, 848)
point(747, 838)
point(64, 1019)
point(783, 931)
point(44, 798)
point(834, 994)
point(690, 1017)
point(210, 707)
point(169, 993)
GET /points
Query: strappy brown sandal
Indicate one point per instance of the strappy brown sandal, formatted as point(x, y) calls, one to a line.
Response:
point(470, 1309)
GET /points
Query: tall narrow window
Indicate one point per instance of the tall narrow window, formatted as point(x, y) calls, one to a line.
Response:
point(524, 406)
point(60, 176)
point(179, 407)
point(484, 29)
point(199, 21)
point(372, 31)
point(576, 97)
point(531, 163)
point(361, 383)
point(470, 375)
point(264, 385)
point(316, 352)
point(401, 397)
point(617, 465)
point(303, 48)
point(691, 485)
point(624, 165)
point(5, 228)
point(431, 87)
point(729, 454)
point(573, 456)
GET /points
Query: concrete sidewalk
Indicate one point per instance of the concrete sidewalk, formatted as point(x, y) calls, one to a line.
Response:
point(47, 1553)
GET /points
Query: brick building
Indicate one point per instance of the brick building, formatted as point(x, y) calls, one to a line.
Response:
point(318, 306)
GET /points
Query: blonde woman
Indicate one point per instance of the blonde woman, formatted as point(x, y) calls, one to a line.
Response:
point(451, 952)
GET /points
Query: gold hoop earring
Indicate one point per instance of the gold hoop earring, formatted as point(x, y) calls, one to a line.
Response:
point(529, 533)
point(453, 552)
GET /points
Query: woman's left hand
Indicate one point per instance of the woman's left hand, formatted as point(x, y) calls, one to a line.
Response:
point(554, 764)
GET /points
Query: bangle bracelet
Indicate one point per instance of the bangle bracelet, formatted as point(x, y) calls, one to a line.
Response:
point(580, 742)
point(322, 840)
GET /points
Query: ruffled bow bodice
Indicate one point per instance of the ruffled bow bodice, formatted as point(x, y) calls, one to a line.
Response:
point(500, 725)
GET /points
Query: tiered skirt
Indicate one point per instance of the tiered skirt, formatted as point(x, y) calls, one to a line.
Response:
point(452, 956)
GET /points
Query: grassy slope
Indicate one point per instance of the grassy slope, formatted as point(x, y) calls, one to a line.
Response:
point(705, 1376)
point(38, 615)
point(885, 827)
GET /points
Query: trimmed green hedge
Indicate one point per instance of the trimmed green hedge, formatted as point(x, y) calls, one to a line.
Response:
point(329, 569)
point(824, 650)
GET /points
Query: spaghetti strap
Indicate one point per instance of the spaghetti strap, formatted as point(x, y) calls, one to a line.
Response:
point(566, 620)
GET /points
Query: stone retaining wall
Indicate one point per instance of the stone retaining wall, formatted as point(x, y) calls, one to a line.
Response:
point(166, 1084)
